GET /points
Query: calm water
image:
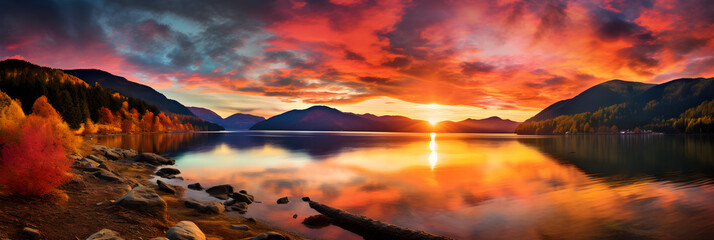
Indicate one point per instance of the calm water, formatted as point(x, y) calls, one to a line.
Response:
point(465, 186)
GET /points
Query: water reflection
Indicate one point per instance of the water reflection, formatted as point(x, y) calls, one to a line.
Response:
point(432, 156)
point(486, 186)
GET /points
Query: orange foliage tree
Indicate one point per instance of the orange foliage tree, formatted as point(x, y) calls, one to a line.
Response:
point(67, 137)
point(33, 148)
point(147, 121)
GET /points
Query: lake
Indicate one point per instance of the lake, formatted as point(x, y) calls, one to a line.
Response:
point(465, 186)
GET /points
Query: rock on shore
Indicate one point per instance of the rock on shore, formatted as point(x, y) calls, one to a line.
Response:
point(206, 207)
point(185, 230)
point(154, 159)
point(144, 199)
point(105, 234)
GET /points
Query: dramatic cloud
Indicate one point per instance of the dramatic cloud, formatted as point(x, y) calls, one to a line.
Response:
point(488, 56)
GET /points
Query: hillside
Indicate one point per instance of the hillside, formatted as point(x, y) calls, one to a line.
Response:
point(129, 88)
point(678, 106)
point(238, 121)
point(601, 95)
point(82, 105)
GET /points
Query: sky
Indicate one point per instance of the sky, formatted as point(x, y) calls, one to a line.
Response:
point(425, 59)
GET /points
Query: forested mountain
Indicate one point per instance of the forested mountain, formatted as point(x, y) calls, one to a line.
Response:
point(238, 121)
point(82, 105)
point(129, 88)
point(601, 95)
point(682, 105)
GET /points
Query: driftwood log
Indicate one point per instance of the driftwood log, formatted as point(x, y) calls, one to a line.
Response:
point(370, 229)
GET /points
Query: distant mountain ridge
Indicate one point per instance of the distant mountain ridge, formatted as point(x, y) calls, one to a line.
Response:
point(129, 88)
point(323, 118)
point(681, 105)
point(238, 121)
point(486, 125)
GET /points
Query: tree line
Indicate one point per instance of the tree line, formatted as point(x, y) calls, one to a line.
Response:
point(628, 117)
point(82, 106)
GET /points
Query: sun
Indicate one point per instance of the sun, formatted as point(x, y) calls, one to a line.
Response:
point(433, 122)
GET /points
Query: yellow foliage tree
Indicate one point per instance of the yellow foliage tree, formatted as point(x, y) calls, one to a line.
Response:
point(90, 127)
point(11, 116)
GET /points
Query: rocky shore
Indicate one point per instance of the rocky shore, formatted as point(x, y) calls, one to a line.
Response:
point(110, 197)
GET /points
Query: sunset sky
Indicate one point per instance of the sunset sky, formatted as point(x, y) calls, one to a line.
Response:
point(425, 59)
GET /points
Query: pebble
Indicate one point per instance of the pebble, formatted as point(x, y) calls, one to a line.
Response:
point(240, 227)
point(31, 232)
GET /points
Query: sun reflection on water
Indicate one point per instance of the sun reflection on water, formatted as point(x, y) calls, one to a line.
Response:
point(433, 158)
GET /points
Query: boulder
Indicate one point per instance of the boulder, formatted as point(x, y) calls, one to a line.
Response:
point(167, 172)
point(166, 187)
point(283, 200)
point(305, 199)
point(105, 234)
point(240, 207)
point(86, 164)
point(96, 158)
point(295, 216)
point(106, 175)
point(185, 230)
point(205, 207)
point(268, 236)
point(106, 167)
point(31, 233)
point(128, 153)
point(153, 159)
point(317, 221)
point(143, 199)
point(243, 197)
point(240, 227)
point(112, 154)
point(220, 191)
point(195, 186)
point(159, 238)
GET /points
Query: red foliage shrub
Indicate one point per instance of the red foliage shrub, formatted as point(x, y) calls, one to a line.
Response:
point(35, 164)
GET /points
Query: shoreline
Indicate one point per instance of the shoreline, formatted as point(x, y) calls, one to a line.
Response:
point(90, 202)
point(123, 194)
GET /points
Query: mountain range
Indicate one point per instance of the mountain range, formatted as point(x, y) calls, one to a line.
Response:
point(323, 118)
point(683, 105)
point(238, 121)
point(486, 125)
point(129, 88)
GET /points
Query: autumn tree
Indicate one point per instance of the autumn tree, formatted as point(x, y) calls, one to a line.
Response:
point(106, 116)
point(11, 116)
point(71, 142)
point(147, 121)
point(36, 163)
point(90, 127)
